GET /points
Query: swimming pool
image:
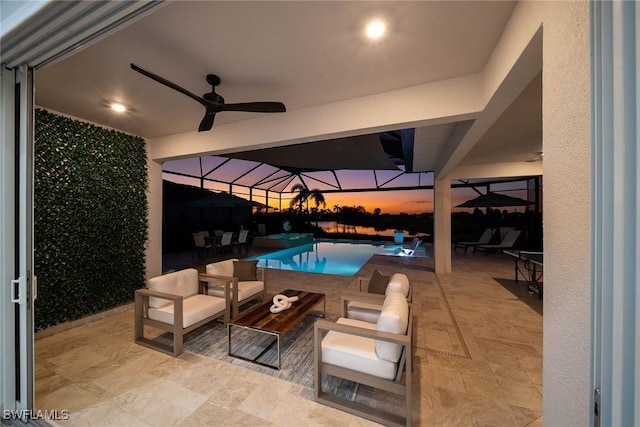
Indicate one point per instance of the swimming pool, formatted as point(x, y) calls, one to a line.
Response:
point(283, 240)
point(341, 258)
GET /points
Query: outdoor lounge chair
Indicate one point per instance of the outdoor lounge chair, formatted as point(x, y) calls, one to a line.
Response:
point(411, 250)
point(507, 243)
point(374, 354)
point(483, 240)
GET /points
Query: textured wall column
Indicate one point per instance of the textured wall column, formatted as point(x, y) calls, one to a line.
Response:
point(567, 213)
point(442, 225)
point(154, 202)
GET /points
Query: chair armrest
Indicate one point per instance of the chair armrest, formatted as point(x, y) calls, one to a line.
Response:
point(151, 293)
point(326, 325)
point(226, 280)
point(361, 281)
point(205, 277)
point(262, 275)
point(348, 297)
point(363, 297)
point(177, 303)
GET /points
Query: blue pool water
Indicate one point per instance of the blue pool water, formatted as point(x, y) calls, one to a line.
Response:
point(341, 258)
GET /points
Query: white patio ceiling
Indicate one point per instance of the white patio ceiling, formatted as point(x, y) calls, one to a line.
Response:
point(425, 74)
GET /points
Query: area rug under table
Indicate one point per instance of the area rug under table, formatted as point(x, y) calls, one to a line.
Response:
point(296, 353)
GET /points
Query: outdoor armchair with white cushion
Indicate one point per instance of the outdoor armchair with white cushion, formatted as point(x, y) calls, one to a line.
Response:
point(243, 288)
point(507, 243)
point(374, 354)
point(366, 306)
point(175, 302)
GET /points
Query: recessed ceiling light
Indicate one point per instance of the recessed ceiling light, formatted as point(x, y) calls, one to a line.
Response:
point(116, 106)
point(376, 29)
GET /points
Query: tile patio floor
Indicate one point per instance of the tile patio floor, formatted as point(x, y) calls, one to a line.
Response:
point(478, 360)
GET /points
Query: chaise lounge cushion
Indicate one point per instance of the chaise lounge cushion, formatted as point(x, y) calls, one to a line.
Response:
point(394, 318)
point(245, 271)
point(398, 283)
point(194, 309)
point(356, 353)
point(378, 283)
point(183, 282)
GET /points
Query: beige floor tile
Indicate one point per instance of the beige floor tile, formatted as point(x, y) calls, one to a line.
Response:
point(444, 378)
point(104, 414)
point(527, 417)
point(522, 394)
point(451, 408)
point(69, 397)
point(48, 381)
point(99, 372)
point(161, 402)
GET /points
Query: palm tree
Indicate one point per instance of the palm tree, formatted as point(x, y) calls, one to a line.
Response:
point(303, 196)
point(336, 208)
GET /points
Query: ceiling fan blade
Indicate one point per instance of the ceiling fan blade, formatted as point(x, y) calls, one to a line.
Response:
point(207, 121)
point(256, 107)
point(170, 84)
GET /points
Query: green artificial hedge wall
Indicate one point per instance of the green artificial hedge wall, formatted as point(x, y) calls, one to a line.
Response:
point(90, 218)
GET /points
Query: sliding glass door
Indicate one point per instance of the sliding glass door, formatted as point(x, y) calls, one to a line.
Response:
point(17, 291)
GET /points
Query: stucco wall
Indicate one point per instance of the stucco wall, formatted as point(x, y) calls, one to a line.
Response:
point(154, 203)
point(567, 219)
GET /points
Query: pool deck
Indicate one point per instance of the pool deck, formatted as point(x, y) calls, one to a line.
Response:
point(478, 360)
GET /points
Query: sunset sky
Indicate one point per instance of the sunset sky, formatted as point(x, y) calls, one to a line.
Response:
point(391, 202)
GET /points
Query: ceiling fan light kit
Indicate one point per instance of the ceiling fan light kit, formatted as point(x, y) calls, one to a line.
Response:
point(211, 101)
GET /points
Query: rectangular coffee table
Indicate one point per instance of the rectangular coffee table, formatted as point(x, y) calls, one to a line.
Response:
point(261, 320)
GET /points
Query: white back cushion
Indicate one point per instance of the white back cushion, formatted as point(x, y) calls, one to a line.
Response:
point(398, 283)
point(394, 318)
point(183, 282)
point(222, 268)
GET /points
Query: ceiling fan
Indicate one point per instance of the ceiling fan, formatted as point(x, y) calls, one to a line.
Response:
point(212, 102)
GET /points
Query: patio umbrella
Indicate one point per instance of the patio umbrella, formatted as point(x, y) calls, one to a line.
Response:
point(494, 200)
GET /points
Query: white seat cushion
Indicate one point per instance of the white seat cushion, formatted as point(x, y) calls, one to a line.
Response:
point(365, 311)
point(245, 289)
point(394, 318)
point(356, 353)
point(221, 268)
point(183, 283)
point(194, 309)
point(398, 283)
